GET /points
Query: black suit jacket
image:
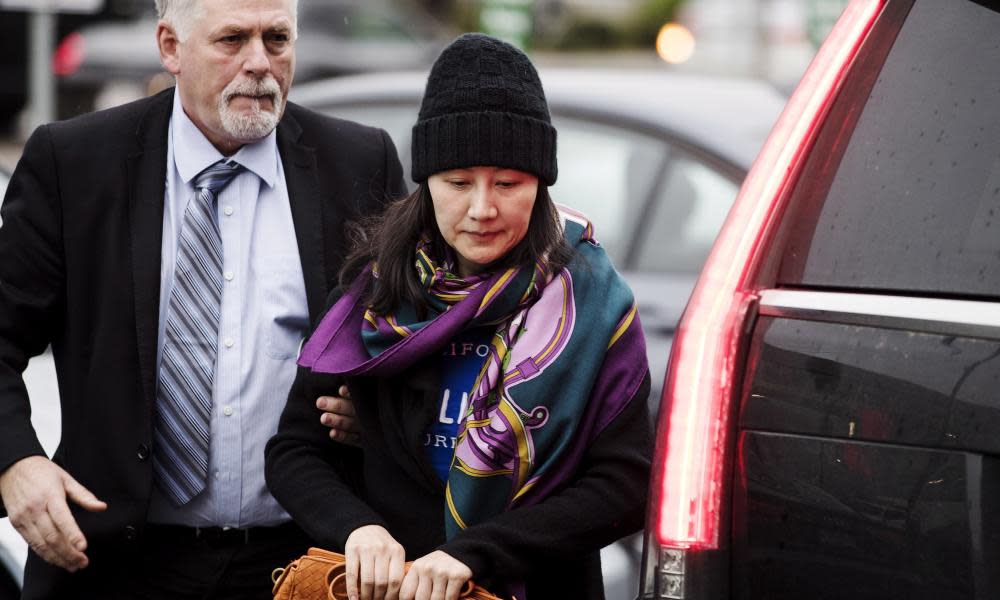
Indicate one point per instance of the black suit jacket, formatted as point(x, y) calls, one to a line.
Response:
point(80, 270)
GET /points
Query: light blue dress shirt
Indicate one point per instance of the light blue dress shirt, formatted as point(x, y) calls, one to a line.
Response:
point(264, 319)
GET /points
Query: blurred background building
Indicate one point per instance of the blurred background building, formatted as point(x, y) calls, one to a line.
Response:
point(109, 56)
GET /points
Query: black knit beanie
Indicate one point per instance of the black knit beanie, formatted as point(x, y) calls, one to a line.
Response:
point(483, 106)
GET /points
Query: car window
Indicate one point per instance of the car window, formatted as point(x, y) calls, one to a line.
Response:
point(913, 203)
point(607, 173)
point(687, 212)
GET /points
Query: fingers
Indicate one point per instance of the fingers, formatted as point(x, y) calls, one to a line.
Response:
point(367, 577)
point(408, 589)
point(82, 496)
point(35, 492)
point(380, 577)
point(351, 568)
point(49, 542)
point(339, 422)
point(440, 586)
point(338, 414)
point(341, 405)
point(425, 586)
point(63, 520)
point(374, 566)
point(453, 587)
point(437, 576)
point(395, 574)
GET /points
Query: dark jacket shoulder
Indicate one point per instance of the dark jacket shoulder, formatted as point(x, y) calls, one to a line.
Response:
point(118, 127)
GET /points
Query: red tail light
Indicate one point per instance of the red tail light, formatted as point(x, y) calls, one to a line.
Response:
point(698, 394)
point(69, 55)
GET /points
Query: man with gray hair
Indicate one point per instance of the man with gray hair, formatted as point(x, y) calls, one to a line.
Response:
point(174, 252)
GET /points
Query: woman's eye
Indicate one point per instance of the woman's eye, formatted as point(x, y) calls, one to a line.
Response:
point(459, 184)
point(506, 184)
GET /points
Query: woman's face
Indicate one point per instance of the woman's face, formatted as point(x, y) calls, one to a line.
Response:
point(482, 212)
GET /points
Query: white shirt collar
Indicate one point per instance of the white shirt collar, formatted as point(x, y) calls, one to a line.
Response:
point(193, 153)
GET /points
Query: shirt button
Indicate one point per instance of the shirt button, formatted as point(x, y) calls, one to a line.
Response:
point(142, 452)
point(228, 342)
point(228, 275)
point(227, 410)
point(131, 533)
point(228, 210)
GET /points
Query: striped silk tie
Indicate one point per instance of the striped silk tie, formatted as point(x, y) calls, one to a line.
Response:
point(187, 365)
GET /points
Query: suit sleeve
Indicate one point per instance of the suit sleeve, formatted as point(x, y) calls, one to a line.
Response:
point(31, 287)
point(605, 502)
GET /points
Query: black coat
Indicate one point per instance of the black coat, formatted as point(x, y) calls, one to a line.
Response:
point(331, 490)
point(80, 270)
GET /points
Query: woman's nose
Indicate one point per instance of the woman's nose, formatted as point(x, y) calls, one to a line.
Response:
point(482, 205)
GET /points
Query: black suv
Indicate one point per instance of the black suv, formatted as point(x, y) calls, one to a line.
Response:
point(830, 426)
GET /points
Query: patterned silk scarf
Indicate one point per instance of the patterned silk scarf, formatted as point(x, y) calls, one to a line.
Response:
point(567, 357)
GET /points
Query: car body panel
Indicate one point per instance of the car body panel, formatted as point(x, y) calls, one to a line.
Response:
point(852, 449)
point(838, 519)
point(866, 454)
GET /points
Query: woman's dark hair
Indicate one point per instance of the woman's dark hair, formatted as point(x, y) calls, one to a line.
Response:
point(391, 241)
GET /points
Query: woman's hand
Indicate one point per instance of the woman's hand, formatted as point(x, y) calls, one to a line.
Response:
point(374, 564)
point(436, 576)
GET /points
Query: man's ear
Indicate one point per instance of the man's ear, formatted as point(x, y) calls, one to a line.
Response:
point(169, 46)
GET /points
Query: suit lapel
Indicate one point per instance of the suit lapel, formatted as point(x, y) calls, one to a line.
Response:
point(302, 181)
point(147, 172)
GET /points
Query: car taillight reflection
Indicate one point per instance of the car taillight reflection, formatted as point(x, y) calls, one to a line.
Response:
point(692, 443)
point(68, 55)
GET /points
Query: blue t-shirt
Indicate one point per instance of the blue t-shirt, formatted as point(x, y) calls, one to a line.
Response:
point(461, 361)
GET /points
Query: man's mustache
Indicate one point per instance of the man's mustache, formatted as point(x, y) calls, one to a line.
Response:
point(267, 87)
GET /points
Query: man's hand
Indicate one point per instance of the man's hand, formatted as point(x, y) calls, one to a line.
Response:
point(338, 414)
point(437, 576)
point(34, 492)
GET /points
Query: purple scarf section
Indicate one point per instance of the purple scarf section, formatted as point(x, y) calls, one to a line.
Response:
point(336, 345)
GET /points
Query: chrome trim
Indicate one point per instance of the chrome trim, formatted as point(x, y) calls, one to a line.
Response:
point(970, 318)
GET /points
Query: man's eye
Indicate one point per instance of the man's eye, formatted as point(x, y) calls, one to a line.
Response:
point(230, 39)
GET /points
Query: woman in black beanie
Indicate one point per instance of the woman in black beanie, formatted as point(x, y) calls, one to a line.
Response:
point(495, 360)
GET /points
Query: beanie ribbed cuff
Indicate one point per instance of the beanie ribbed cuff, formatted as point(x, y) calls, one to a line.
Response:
point(498, 139)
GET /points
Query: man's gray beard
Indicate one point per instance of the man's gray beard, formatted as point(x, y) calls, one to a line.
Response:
point(259, 123)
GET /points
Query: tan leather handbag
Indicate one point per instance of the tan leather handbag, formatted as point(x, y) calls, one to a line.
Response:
point(320, 575)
